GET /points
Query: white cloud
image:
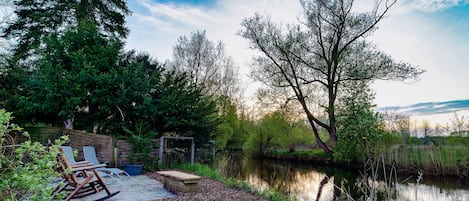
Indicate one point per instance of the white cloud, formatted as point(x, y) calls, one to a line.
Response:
point(221, 21)
point(178, 14)
point(432, 5)
point(154, 22)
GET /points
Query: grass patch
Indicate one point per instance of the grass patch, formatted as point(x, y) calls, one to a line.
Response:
point(206, 171)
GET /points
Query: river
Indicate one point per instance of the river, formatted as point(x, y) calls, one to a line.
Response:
point(308, 182)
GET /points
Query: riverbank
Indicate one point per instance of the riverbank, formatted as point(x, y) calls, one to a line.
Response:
point(435, 156)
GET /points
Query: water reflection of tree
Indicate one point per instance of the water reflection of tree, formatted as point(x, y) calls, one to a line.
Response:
point(310, 182)
point(288, 178)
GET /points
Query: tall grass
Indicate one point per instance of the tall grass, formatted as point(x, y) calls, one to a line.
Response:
point(431, 159)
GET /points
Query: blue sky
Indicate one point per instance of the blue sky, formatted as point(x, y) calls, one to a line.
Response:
point(432, 34)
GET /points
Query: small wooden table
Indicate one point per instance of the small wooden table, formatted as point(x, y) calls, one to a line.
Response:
point(179, 181)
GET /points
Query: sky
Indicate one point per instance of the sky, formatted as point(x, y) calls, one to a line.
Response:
point(431, 34)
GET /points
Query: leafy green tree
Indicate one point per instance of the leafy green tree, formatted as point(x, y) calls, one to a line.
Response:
point(323, 53)
point(183, 108)
point(73, 79)
point(36, 20)
point(360, 129)
point(234, 129)
point(273, 132)
point(85, 77)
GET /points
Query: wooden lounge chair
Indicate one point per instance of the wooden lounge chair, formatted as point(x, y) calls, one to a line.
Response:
point(68, 153)
point(90, 155)
point(82, 180)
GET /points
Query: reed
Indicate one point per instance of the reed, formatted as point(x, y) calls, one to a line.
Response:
point(430, 159)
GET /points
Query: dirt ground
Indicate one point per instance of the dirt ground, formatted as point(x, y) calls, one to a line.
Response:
point(212, 190)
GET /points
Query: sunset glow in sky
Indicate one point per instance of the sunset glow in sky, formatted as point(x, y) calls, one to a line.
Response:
point(432, 34)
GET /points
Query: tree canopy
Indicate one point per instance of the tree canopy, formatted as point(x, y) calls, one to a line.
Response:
point(36, 20)
point(87, 78)
point(206, 63)
point(323, 53)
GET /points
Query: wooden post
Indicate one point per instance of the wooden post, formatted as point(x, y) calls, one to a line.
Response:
point(192, 151)
point(160, 154)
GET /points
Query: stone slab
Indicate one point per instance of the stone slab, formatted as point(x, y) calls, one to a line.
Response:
point(132, 188)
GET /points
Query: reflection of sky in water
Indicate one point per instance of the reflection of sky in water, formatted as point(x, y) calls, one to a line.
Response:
point(308, 187)
point(305, 186)
point(430, 193)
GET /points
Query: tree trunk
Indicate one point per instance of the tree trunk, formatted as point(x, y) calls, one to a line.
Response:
point(320, 143)
point(331, 113)
point(311, 121)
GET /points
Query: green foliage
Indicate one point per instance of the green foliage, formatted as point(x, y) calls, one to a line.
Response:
point(141, 140)
point(183, 108)
point(233, 131)
point(84, 77)
point(274, 131)
point(430, 159)
point(37, 20)
point(203, 170)
point(73, 70)
point(359, 132)
point(432, 155)
point(26, 169)
point(392, 138)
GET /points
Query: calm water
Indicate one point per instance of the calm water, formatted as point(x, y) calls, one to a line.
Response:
point(307, 182)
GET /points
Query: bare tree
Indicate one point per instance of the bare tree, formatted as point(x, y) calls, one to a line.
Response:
point(414, 124)
point(438, 129)
point(426, 128)
point(271, 100)
point(398, 122)
point(458, 123)
point(447, 129)
point(324, 53)
point(206, 63)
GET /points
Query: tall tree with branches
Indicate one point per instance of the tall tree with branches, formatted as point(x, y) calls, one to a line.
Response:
point(37, 19)
point(325, 52)
point(206, 63)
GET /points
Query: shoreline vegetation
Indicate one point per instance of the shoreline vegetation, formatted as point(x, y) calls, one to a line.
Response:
point(434, 156)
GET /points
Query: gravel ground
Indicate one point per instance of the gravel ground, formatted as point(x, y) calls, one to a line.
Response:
point(212, 190)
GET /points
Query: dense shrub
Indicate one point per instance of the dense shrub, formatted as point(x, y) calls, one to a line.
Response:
point(360, 135)
point(27, 168)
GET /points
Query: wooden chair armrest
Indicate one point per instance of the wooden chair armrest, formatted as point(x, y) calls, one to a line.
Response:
point(87, 167)
point(81, 164)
